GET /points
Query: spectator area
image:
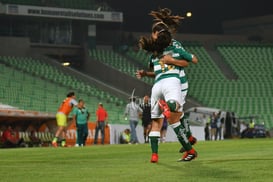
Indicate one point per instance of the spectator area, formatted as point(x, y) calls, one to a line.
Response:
point(119, 62)
point(245, 96)
point(253, 91)
point(249, 95)
point(34, 85)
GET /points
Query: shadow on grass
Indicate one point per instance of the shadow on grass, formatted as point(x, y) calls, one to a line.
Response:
point(200, 171)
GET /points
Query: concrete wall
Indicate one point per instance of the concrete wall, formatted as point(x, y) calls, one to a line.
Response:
point(15, 46)
point(202, 38)
point(51, 49)
point(115, 130)
point(115, 78)
point(261, 27)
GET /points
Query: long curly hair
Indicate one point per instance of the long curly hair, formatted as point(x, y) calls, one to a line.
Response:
point(166, 24)
point(163, 40)
point(165, 15)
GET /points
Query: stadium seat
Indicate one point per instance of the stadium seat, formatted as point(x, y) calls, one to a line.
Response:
point(50, 86)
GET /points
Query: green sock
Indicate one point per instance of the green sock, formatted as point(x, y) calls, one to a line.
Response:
point(63, 142)
point(55, 139)
point(181, 135)
point(154, 144)
point(185, 123)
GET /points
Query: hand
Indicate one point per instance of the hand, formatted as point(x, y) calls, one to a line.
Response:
point(166, 59)
point(140, 74)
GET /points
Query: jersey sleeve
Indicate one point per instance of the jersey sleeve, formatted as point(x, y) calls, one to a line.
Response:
point(73, 102)
point(183, 54)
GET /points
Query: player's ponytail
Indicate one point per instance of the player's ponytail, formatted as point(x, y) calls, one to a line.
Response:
point(165, 15)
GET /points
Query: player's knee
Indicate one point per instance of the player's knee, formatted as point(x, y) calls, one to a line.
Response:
point(173, 105)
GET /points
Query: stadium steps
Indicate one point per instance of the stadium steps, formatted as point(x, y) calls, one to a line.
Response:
point(117, 62)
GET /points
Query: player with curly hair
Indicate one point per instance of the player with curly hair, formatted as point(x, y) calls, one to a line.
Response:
point(166, 62)
point(172, 21)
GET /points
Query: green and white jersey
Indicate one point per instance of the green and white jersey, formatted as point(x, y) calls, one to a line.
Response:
point(162, 70)
point(186, 56)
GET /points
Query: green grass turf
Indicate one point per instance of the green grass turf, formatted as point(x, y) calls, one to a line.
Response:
point(228, 160)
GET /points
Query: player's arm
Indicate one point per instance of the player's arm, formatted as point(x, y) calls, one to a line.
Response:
point(142, 73)
point(106, 118)
point(73, 102)
point(168, 59)
point(187, 56)
point(194, 59)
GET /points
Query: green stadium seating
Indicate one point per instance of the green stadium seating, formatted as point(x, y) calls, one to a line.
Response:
point(253, 89)
point(250, 94)
point(117, 62)
point(139, 56)
point(33, 85)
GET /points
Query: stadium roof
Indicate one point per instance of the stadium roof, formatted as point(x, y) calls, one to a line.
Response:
point(207, 15)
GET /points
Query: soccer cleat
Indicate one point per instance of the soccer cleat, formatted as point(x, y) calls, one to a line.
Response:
point(154, 158)
point(188, 156)
point(54, 144)
point(192, 140)
point(165, 108)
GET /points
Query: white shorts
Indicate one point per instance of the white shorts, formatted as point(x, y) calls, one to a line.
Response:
point(166, 89)
point(184, 95)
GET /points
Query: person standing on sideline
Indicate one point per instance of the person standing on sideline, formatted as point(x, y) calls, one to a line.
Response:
point(206, 130)
point(163, 130)
point(213, 127)
point(61, 117)
point(133, 111)
point(218, 127)
point(102, 119)
point(146, 118)
point(81, 117)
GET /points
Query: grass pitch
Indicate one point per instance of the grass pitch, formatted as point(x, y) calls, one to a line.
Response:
point(228, 160)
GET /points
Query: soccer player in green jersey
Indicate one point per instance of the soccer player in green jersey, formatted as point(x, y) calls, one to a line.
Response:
point(172, 21)
point(167, 87)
